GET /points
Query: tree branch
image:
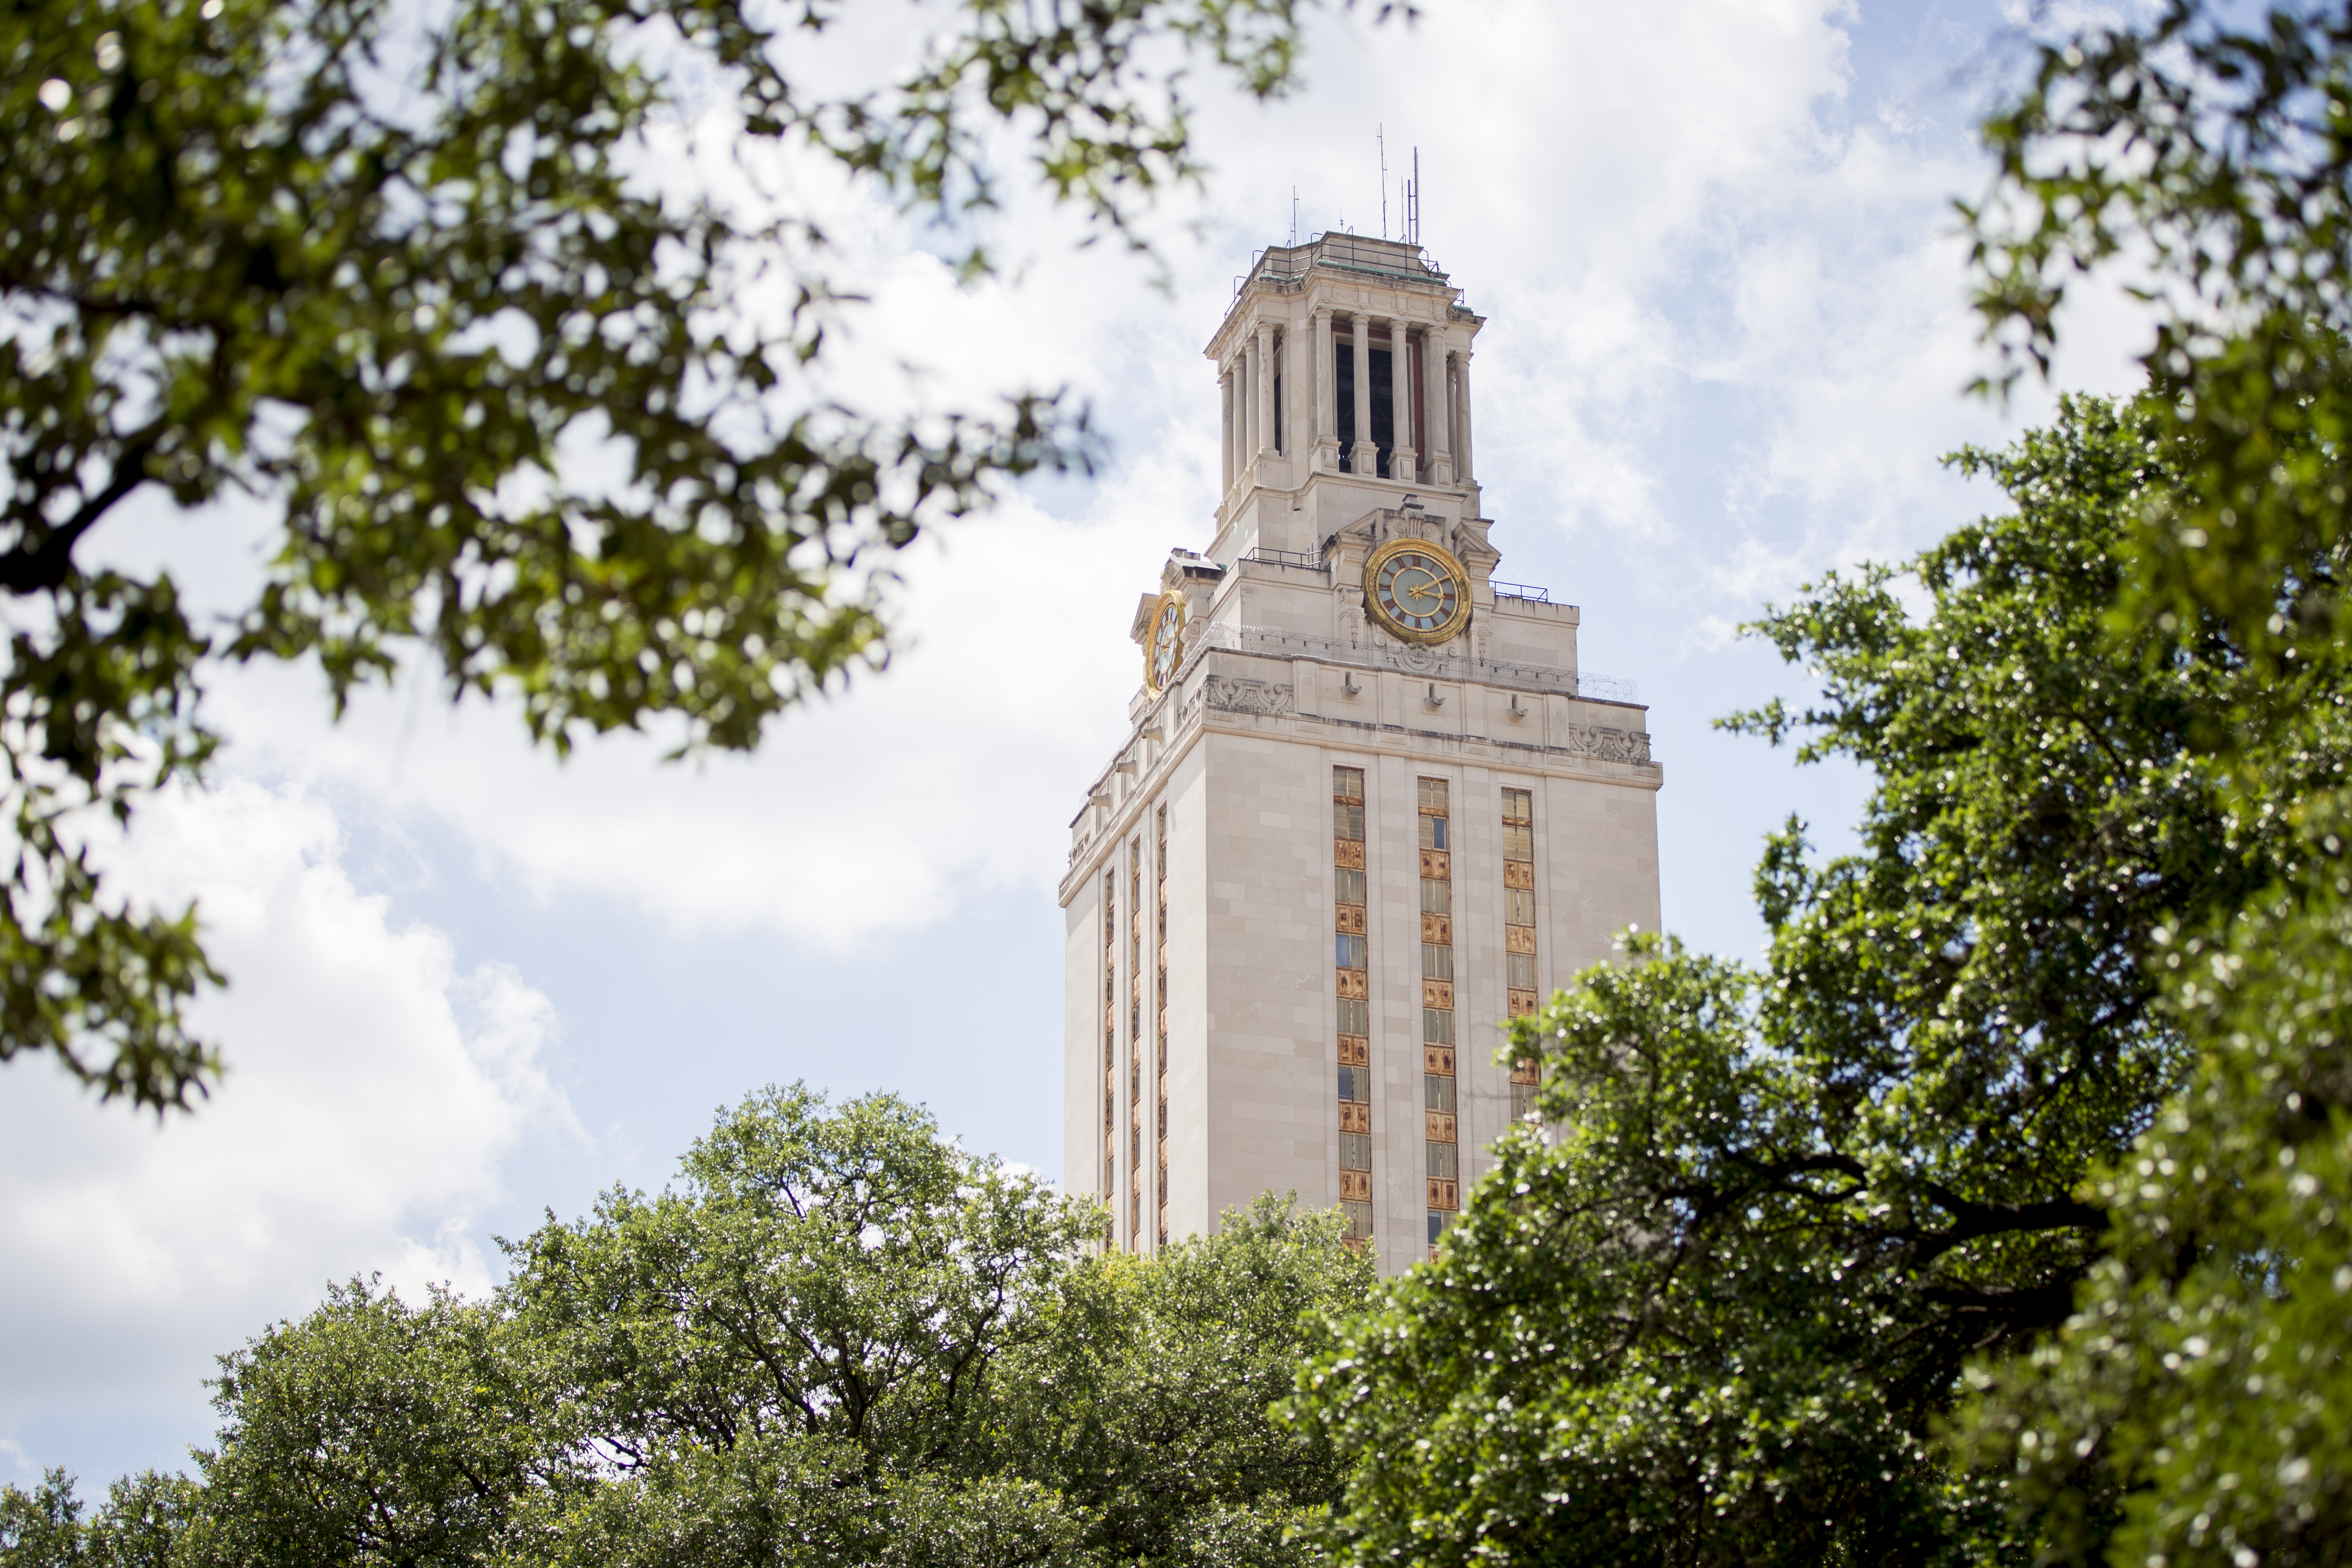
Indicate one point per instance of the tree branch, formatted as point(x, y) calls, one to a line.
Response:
point(45, 566)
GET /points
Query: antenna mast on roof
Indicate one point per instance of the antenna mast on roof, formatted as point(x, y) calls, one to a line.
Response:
point(1293, 214)
point(1380, 139)
point(1412, 201)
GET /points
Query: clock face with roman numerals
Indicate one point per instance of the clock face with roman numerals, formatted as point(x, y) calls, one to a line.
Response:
point(1163, 643)
point(1417, 591)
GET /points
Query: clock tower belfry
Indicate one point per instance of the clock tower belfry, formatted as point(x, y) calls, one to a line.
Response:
point(1368, 806)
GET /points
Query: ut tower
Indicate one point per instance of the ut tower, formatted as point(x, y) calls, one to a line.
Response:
point(1367, 807)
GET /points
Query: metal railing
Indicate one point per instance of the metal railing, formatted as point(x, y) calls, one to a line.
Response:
point(1527, 591)
point(1299, 558)
point(1347, 252)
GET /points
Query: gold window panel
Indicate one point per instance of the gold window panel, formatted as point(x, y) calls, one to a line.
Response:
point(1520, 935)
point(1440, 1130)
point(1352, 985)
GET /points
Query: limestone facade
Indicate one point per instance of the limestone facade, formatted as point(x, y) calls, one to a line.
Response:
point(1203, 1012)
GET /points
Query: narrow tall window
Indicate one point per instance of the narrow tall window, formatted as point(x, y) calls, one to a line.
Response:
point(1160, 1031)
point(1110, 1052)
point(1350, 967)
point(1135, 1045)
point(1519, 934)
point(1440, 1110)
point(1381, 364)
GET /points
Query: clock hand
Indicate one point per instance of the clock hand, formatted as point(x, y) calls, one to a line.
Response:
point(1428, 577)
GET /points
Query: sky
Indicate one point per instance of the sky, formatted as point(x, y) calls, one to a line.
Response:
point(1726, 340)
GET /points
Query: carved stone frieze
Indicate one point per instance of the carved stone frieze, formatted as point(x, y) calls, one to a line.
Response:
point(1237, 696)
point(1601, 741)
point(1417, 659)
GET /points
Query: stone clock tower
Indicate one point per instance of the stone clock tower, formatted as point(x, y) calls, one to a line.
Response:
point(1368, 807)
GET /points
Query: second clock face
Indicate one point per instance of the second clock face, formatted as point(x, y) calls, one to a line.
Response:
point(1165, 644)
point(1418, 591)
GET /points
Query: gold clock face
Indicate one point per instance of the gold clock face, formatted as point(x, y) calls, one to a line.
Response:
point(1163, 646)
point(1417, 591)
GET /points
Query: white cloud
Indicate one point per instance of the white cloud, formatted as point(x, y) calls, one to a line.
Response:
point(1727, 316)
point(869, 813)
point(372, 1097)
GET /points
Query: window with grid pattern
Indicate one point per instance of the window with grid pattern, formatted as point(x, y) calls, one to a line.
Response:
point(1110, 1048)
point(1135, 1050)
point(1351, 957)
point(1433, 798)
point(1520, 934)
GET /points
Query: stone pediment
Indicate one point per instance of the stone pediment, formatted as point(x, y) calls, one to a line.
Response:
point(1466, 537)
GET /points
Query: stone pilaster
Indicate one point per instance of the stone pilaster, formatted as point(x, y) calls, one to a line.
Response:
point(1326, 439)
point(1365, 457)
point(1437, 414)
point(1401, 459)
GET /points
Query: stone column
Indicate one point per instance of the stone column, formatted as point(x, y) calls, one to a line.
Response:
point(1327, 439)
point(1437, 414)
point(1235, 374)
point(1226, 406)
point(1365, 458)
point(1462, 391)
point(1262, 388)
point(1401, 463)
point(1245, 429)
point(1294, 422)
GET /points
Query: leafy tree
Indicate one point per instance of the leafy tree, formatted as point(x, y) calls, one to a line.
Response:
point(1787, 1218)
point(2196, 1409)
point(1147, 1403)
point(401, 276)
point(373, 1432)
point(140, 1524)
point(1716, 1312)
point(839, 1340)
point(42, 1528)
point(848, 1276)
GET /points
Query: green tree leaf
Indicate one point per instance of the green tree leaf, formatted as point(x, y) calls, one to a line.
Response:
point(391, 274)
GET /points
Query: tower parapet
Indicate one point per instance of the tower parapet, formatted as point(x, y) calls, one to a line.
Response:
point(1344, 371)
